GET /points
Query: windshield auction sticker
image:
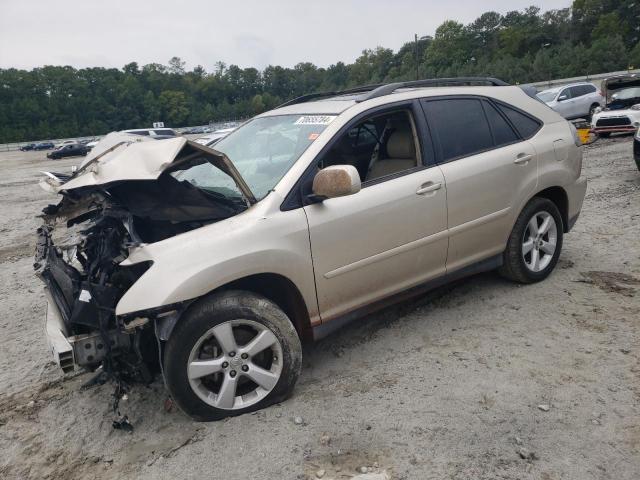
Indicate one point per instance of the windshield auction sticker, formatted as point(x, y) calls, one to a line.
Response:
point(315, 120)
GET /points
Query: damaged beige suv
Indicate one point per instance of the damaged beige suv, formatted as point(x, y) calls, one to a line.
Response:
point(221, 262)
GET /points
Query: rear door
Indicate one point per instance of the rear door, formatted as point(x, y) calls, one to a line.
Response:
point(488, 167)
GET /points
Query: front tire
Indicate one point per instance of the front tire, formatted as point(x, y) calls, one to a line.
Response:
point(535, 243)
point(232, 353)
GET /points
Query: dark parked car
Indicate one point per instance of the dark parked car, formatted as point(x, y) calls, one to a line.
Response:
point(44, 146)
point(636, 148)
point(69, 150)
point(27, 147)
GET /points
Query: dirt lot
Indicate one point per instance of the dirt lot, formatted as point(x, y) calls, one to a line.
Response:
point(452, 386)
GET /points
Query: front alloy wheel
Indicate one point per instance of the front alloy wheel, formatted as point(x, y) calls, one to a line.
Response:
point(230, 353)
point(230, 376)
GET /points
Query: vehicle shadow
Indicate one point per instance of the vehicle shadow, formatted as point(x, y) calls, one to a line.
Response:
point(368, 327)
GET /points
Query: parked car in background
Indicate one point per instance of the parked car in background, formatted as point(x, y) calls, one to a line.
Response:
point(92, 144)
point(577, 100)
point(214, 137)
point(27, 147)
point(297, 222)
point(636, 148)
point(153, 132)
point(68, 150)
point(622, 112)
point(44, 146)
point(197, 130)
point(66, 142)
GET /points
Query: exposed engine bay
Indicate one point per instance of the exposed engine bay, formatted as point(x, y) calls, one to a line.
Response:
point(90, 232)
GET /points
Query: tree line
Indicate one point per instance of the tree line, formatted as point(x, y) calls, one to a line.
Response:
point(590, 36)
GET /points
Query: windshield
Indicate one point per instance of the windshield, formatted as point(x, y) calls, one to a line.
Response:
point(547, 96)
point(627, 93)
point(265, 148)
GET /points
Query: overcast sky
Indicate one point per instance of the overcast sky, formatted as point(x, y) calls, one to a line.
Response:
point(243, 32)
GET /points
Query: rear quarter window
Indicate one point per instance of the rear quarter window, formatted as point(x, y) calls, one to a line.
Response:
point(503, 134)
point(526, 125)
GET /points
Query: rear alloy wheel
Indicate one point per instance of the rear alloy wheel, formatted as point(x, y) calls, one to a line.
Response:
point(231, 353)
point(540, 241)
point(535, 243)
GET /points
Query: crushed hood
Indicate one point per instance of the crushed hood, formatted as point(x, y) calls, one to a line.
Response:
point(122, 157)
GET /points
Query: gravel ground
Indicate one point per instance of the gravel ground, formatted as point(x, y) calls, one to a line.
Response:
point(460, 384)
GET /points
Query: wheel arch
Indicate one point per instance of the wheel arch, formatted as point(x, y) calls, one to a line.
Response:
point(281, 291)
point(559, 197)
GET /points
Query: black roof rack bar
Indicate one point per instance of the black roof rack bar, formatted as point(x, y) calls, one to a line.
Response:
point(381, 89)
point(314, 96)
point(431, 82)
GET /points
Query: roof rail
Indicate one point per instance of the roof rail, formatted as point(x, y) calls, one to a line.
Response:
point(314, 96)
point(431, 82)
point(379, 90)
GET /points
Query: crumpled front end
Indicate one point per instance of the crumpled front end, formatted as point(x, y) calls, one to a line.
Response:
point(127, 195)
point(79, 249)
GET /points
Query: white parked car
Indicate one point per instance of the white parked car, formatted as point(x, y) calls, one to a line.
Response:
point(214, 137)
point(66, 142)
point(622, 113)
point(578, 100)
point(152, 132)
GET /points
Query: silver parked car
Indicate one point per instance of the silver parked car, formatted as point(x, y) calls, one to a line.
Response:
point(578, 100)
point(305, 217)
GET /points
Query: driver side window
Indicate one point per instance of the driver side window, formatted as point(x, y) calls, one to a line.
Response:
point(378, 146)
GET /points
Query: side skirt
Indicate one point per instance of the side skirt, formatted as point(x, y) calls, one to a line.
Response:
point(324, 329)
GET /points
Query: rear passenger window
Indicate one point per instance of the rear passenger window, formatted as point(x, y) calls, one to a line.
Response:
point(525, 125)
point(460, 125)
point(503, 134)
point(577, 91)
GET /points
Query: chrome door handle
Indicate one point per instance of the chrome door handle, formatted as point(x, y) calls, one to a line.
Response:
point(428, 188)
point(522, 158)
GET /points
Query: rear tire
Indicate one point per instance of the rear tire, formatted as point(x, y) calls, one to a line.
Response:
point(224, 342)
point(535, 243)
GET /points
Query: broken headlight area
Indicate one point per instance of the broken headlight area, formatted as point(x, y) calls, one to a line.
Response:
point(80, 248)
point(84, 281)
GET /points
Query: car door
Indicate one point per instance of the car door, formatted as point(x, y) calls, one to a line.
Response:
point(488, 167)
point(386, 238)
point(579, 101)
point(563, 103)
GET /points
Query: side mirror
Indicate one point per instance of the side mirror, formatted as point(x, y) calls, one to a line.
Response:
point(562, 98)
point(336, 181)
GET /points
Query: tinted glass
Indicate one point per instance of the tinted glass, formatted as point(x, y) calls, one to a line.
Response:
point(577, 91)
point(503, 134)
point(460, 125)
point(525, 125)
point(565, 93)
point(588, 89)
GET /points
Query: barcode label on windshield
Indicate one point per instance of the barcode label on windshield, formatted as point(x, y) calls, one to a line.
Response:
point(315, 120)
